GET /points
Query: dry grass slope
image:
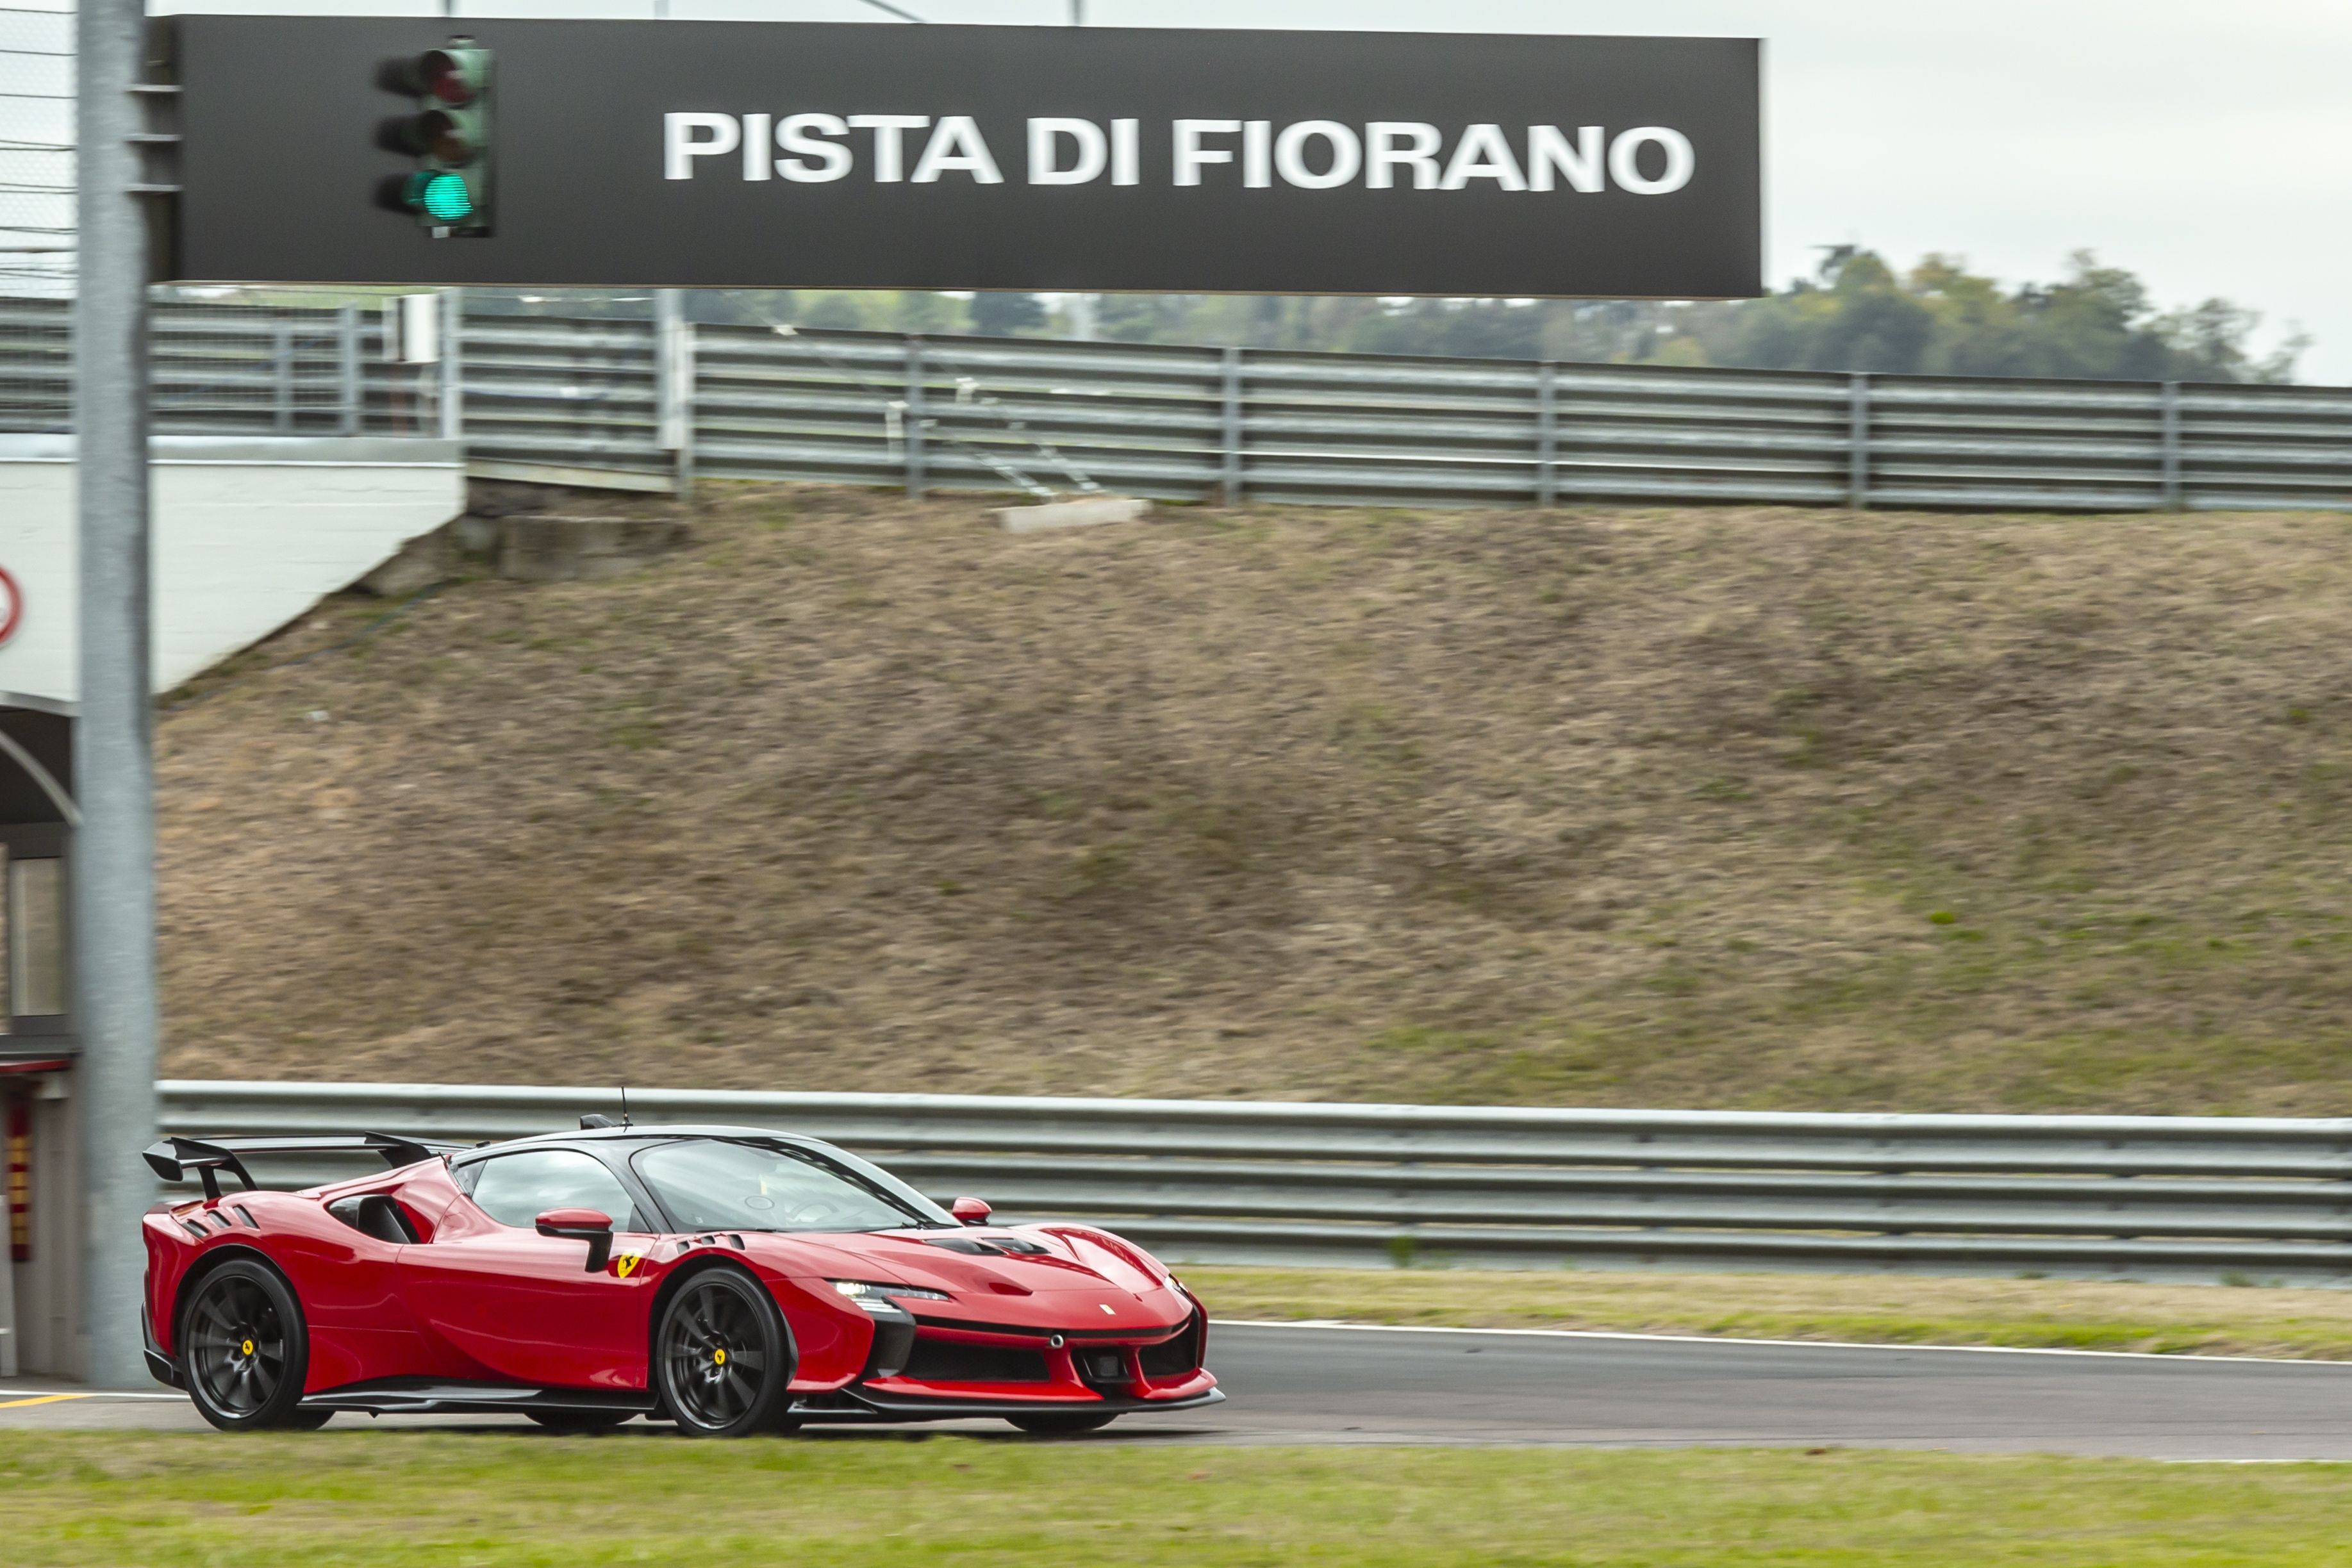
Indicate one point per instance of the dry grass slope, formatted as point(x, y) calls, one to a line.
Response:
point(1742, 807)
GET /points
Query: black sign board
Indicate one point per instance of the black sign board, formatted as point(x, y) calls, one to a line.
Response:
point(709, 155)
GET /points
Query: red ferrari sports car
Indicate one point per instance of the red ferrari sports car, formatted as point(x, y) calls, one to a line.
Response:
point(728, 1279)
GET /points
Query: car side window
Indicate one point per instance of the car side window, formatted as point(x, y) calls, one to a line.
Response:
point(515, 1189)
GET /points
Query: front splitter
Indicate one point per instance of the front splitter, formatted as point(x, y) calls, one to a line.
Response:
point(851, 1405)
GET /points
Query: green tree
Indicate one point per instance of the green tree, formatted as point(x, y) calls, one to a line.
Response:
point(1006, 314)
point(1939, 318)
point(1856, 313)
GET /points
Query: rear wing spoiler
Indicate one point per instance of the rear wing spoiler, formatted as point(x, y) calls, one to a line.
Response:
point(173, 1158)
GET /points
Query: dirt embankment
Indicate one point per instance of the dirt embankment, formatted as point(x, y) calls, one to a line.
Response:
point(1700, 807)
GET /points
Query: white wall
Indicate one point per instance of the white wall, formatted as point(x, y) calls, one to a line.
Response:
point(250, 533)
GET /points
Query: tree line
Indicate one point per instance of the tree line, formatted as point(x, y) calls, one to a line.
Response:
point(1856, 313)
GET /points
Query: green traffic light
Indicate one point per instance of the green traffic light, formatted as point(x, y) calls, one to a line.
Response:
point(448, 192)
point(444, 197)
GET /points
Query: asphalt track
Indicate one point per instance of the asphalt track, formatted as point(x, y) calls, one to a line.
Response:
point(1343, 1385)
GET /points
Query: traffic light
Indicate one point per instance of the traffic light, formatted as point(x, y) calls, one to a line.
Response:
point(449, 190)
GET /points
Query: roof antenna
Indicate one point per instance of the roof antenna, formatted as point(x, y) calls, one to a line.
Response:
point(624, 1106)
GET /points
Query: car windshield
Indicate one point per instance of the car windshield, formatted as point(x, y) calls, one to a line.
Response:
point(711, 1184)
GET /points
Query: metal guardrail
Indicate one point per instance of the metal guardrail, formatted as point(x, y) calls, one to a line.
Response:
point(1238, 1181)
point(636, 404)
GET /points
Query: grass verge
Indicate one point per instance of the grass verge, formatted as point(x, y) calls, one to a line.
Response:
point(2073, 1314)
point(383, 1500)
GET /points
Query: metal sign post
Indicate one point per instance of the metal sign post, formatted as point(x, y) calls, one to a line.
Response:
point(114, 860)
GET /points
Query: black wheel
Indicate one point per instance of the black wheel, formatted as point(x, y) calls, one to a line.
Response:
point(1064, 1423)
point(722, 1357)
point(244, 1349)
point(579, 1423)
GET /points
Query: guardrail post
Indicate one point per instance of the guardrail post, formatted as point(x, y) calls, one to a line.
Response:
point(1228, 437)
point(281, 368)
point(453, 364)
point(914, 432)
point(347, 367)
point(1547, 434)
point(1857, 442)
point(2171, 441)
point(674, 386)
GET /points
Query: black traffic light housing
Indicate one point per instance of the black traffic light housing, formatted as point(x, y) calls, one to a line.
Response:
point(449, 191)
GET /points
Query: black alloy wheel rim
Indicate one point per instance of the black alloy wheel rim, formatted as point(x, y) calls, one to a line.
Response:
point(715, 1355)
point(236, 1346)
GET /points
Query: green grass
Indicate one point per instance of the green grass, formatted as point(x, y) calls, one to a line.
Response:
point(446, 1499)
point(2246, 1317)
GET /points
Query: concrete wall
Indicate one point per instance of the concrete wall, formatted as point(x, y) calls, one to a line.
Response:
point(250, 533)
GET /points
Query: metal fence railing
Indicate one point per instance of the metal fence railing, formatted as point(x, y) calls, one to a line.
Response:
point(2141, 1196)
point(220, 369)
point(644, 404)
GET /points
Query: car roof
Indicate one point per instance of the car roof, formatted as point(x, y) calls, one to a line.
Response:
point(863, 1169)
point(643, 1133)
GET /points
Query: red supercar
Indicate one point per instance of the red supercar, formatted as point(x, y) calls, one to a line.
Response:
point(730, 1279)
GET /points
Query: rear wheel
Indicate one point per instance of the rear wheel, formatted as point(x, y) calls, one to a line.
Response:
point(1062, 1424)
point(579, 1422)
point(245, 1350)
point(722, 1357)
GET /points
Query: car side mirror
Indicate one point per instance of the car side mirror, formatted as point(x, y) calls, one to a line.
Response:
point(581, 1225)
point(969, 1211)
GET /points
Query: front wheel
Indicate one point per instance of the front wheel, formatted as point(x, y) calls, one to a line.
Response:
point(245, 1350)
point(1062, 1424)
point(724, 1358)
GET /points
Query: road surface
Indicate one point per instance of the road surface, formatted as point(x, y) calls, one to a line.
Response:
point(1338, 1384)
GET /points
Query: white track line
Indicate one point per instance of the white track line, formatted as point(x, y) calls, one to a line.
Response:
point(81, 1394)
point(1790, 1344)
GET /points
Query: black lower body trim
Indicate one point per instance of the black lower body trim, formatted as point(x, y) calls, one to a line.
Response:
point(428, 1396)
point(161, 1368)
point(857, 1404)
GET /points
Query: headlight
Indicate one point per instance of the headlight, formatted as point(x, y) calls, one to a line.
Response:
point(876, 1296)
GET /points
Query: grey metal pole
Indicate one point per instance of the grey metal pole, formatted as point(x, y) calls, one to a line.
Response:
point(1081, 305)
point(2171, 437)
point(281, 364)
point(114, 777)
point(347, 364)
point(915, 374)
point(1858, 442)
point(669, 397)
point(453, 364)
point(674, 387)
point(1547, 434)
point(1230, 432)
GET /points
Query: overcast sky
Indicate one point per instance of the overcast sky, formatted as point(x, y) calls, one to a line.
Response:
point(2205, 143)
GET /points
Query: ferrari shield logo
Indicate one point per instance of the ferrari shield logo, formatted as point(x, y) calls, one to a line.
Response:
point(625, 1263)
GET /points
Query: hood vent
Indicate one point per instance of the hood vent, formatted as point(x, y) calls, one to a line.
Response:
point(996, 1247)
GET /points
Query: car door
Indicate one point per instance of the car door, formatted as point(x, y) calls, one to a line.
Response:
point(523, 1307)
